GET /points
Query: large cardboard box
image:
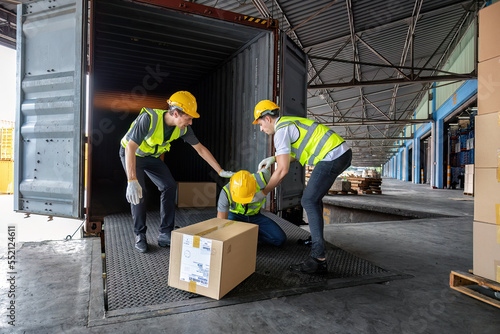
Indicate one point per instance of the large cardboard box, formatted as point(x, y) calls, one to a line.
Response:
point(489, 26)
point(486, 254)
point(487, 196)
point(196, 194)
point(488, 86)
point(487, 150)
point(212, 257)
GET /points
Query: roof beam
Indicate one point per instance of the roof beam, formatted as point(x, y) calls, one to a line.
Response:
point(400, 81)
point(388, 26)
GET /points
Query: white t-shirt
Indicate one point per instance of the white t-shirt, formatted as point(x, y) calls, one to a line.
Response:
point(285, 136)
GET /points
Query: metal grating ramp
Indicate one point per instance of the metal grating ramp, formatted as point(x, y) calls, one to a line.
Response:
point(135, 280)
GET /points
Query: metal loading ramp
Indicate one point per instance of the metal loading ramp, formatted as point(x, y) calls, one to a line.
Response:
point(138, 282)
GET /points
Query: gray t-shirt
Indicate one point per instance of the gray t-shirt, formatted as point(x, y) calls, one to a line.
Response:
point(141, 128)
point(223, 203)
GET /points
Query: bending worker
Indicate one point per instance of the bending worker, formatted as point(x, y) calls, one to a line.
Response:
point(235, 203)
point(147, 139)
point(313, 144)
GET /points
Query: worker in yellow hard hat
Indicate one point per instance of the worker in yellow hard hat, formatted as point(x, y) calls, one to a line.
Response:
point(236, 203)
point(147, 139)
point(311, 143)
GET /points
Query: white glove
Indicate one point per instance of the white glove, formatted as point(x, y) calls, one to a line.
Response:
point(226, 174)
point(267, 162)
point(134, 192)
point(258, 197)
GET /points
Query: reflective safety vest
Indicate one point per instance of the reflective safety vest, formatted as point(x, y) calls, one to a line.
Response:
point(251, 208)
point(314, 142)
point(154, 143)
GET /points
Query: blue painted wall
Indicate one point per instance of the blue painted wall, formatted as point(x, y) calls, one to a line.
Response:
point(462, 94)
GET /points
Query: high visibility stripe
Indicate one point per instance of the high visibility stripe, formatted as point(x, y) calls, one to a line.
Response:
point(307, 137)
point(260, 182)
point(154, 121)
point(318, 148)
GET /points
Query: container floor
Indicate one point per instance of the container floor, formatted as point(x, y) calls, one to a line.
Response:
point(135, 280)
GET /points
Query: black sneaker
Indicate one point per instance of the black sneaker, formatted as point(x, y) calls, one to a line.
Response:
point(310, 266)
point(164, 239)
point(141, 243)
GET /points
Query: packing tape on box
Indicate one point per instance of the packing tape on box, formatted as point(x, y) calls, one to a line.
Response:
point(497, 213)
point(196, 237)
point(498, 234)
point(497, 263)
point(498, 166)
point(192, 286)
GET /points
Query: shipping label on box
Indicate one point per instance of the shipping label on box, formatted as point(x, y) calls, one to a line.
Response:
point(195, 261)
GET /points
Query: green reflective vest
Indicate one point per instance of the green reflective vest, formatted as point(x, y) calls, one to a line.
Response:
point(154, 143)
point(314, 142)
point(252, 208)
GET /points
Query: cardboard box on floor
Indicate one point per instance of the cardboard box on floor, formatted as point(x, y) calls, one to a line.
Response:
point(196, 194)
point(212, 257)
point(486, 250)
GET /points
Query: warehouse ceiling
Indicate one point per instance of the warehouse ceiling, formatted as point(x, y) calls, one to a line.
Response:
point(370, 62)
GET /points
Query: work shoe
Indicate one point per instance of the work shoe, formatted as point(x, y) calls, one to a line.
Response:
point(310, 266)
point(141, 243)
point(164, 239)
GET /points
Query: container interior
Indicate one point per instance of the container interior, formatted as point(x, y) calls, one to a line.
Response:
point(141, 55)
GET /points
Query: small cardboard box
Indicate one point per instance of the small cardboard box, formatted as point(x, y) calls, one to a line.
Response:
point(487, 150)
point(489, 26)
point(487, 196)
point(212, 257)
point(196, 194)
point(488, 86)
point(486, 254)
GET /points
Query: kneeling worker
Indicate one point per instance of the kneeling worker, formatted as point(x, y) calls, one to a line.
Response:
point(235, 203)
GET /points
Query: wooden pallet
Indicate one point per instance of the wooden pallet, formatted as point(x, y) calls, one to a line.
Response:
point(372, 191)
point(460, 281)
point(338, 192)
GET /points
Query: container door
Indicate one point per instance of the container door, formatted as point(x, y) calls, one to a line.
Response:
point(293, 101)
point(50, 103)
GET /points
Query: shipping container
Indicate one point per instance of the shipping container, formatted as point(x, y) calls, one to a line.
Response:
point(85, 69)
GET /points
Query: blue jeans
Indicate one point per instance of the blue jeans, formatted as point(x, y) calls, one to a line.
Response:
point(322, 178)
point(159, 173)
point(269, 231)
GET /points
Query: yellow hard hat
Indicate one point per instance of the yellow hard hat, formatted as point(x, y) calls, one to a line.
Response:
point(184, 101)
point(262, 107)
point(242, 187)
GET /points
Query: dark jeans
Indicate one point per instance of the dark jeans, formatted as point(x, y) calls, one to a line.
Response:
point(158, 172)
point(322, 178)
point(269, 231)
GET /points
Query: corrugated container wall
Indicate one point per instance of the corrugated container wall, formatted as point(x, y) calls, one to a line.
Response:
point(227, 66)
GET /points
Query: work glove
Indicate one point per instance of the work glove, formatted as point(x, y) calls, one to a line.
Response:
point(134, 192)
point(259, 196)
point(267, 162)
point(226, 174)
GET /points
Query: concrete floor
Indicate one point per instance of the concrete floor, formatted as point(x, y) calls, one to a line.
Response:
point(53, 280)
